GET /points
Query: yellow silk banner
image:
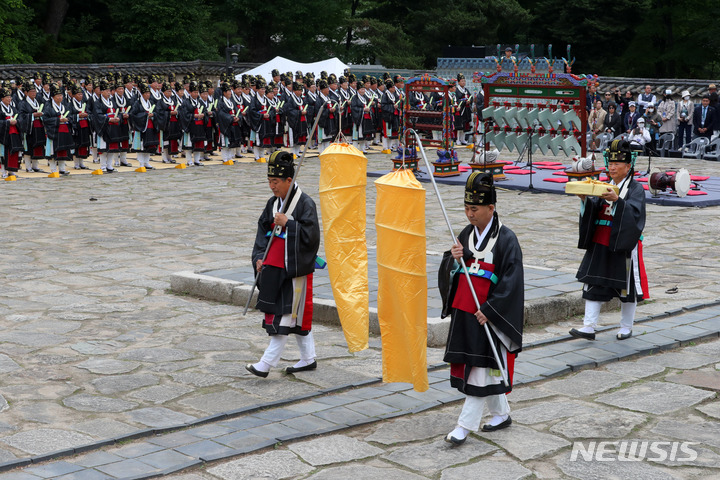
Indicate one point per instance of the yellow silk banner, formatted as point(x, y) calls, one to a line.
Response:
point(402, 278)
point(343, 180)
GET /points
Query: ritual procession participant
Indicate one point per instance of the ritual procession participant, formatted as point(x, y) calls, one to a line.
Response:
point(11, 146)
point(493, 257)
point(60, 142)
point(285, 275)
point(169, 122)
point(390, 111)
point(295, 111)
point(229, 120)
point(326, 107)
point(147, 134)
point(363, 126)
point(81, 130)
point(106, 125)
point(192, 116)
point(463, 111)
point(32, 128)
point(122, 107)
point(611, 229)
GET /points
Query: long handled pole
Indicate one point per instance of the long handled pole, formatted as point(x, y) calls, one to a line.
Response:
point(285, 202)
point(462, 261)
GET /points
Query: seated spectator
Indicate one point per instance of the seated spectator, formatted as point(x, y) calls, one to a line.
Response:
point(704, 118)
point(685, 109)
point(630, 120)
point(646, 98)
point(596, 120)
point(639, 136)
point(613, 122)
point(666, 109)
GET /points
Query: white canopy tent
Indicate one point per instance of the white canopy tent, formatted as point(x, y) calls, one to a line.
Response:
point(331, 65)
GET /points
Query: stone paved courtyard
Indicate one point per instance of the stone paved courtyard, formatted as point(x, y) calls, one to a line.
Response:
point(93, 346)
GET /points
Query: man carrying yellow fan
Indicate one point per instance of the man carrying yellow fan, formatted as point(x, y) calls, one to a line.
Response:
point(611, 233)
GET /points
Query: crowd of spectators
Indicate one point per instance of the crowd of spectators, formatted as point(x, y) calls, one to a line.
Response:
point(647, 117)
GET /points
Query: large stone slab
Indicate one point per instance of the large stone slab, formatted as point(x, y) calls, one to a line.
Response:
point(156, 355)
point(93, 403)
point(656, 397)
point(159, 417)
point(417, 427)
point(278, 464)
point(594, 470)
point(159, 394)
point(495, 469)
point(604, 424)
point(431, 458)
point(107, 366)
point(525, 393)
point(46, 391)
point(679, 360)
point(711, 408)
point(333, 449)
point(221, 401)
point(211, 343)
point(103, 428)
point(525, 443)
point(45, 440)
point(355, 471)
point(123, 383)
point(198, 379)
point(587, 382)
point(708, 380)
point(634, 369)
point(705, 432)
point(7, 364)
point(547, 411)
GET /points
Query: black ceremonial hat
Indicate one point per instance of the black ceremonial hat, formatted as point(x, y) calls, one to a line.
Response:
point(460, 76)
point(296, 86)
point(165, 86)
point(5, 92)
point(352, 78)
point(275, 72)
point(202, 88)
point(193, 87)
point(342, 79)
point(619, 151)
point(143, 87)
point(281, 165)
point(389, 83)
point(332, 79)
point(178, 86)
point(104, 85)
point(480, 189)
point(322, 84)
point(225, 87)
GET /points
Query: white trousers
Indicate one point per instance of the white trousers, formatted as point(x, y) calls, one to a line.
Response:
point(306, 344)
point(143, 159)
point(472, 411)
point(592, 313)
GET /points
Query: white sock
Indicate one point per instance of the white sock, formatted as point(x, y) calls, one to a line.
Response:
point(497, 420)
point(460, 433)
point(624, 331)
point(262, 366)
point(303, 363)
point(587, 329)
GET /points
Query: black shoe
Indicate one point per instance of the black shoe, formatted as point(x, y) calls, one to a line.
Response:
point(250, 368)
point(454, 440)
point(500, 426)
point(126, 164)
point(39, 170)
point(172, 161)
point(83, 167)
point(312, 366)
point(64, 173)
point(578, 334)
point(110, 170)
point(149, 168)
point(624, 336)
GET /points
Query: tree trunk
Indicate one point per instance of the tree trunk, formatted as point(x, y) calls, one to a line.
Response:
point(55, 16)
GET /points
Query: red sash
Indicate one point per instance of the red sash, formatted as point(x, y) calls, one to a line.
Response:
point(463, 298)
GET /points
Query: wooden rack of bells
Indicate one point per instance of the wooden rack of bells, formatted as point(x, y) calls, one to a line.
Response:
point(527, 112)
point(428, 111)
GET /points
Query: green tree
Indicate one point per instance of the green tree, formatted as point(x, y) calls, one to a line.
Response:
point(16, 31)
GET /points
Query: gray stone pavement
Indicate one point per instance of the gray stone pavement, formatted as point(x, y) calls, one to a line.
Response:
point(94, 348)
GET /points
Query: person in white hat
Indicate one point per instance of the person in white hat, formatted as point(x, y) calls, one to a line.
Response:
point(685, 108)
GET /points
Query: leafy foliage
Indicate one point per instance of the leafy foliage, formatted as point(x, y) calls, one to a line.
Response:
point(654, 38)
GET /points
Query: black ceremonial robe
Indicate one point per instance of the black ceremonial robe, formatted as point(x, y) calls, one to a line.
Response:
point(362, 118)
point(81, 130)
point(610, 234)
point(295, 111)
point(10, 138)
point(502, 303)
point(328, 123)
point(59, 133)
point(229, 123)
point(292, 255)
